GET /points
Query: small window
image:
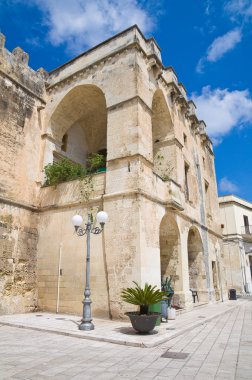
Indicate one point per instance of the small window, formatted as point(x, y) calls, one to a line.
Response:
point(185, 139)
point(207, 196)
point(186, 182)
point(64, 143)
point(206, 188)
point(246, 224)
point(246, 221)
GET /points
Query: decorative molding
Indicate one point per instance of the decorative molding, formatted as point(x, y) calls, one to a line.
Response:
point(132, 99)
point(23, 205)
point(47, 136)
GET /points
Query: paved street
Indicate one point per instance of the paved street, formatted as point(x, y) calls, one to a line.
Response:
point(218, 349)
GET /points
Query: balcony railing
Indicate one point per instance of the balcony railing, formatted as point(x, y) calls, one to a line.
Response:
point(246, 230)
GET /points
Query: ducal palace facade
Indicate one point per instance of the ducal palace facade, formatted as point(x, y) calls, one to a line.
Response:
point(159, 187)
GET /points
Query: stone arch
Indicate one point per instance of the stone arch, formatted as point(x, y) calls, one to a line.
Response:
point(79, 123)
point(196, 265)
point(170, 251)
point(162, 131)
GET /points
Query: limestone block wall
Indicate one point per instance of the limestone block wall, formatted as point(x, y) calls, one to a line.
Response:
point(117, 96)
point(232, 259)
point(21, 95)
point(60, 249)
point(18, 259)
point(22, 92)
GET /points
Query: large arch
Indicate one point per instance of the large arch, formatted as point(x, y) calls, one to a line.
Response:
point(196, 265)
point(170, 251)
point(79, 123)
point(162, 130)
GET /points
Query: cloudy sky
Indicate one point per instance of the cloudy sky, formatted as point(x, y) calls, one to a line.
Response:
point(208, 42)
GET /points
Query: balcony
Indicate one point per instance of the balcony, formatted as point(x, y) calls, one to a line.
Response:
point(246, 232)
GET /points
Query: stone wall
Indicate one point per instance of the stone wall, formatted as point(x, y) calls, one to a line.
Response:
point(120, 97)
point(18, 260)
point(21, 92)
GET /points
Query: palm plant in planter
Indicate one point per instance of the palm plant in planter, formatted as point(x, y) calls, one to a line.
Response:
point(143, 321)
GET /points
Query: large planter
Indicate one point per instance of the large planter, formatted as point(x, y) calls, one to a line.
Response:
point(143, 323)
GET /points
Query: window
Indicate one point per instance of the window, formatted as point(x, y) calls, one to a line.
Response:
point(206, 188)
point(246, 224)
point(186, 182)
point(207, 197)
point(64, 143)
point(185, 139)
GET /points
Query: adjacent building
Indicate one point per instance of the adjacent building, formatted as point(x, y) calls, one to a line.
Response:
point(236, 219)
point(159, 187)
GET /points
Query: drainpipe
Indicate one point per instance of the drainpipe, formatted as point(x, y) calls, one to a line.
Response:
point(59, 274)
point(219, 272)
point(243, 274)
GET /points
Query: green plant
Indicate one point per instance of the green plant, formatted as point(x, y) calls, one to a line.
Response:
point(66, 170)
point(166, 287)
point(63, 170)
point(95, 161)
point(143, 297)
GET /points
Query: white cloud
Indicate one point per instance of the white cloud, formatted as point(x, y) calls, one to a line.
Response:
point(239, 7)
point(227, 186)
point(83, 23)
point(220, 46)
point(223, 110)
point(223, 44)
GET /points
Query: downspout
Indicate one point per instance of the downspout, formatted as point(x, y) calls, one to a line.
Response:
point(59, 274)
point(219, 272)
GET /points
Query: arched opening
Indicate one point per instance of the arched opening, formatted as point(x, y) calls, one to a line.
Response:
point(170, 253)
point(162, 131)
point(79, 124)
point(196, 266)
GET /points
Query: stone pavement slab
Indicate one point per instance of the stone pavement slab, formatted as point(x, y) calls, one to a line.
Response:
point(225, 340)
point(120, 332)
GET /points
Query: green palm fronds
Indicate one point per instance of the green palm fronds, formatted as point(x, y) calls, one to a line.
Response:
point(144, 297)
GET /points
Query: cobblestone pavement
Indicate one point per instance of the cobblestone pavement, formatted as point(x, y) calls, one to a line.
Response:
point(218, 349)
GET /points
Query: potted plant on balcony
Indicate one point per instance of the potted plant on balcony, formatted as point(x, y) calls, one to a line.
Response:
point(96, 162)
point(143, 320)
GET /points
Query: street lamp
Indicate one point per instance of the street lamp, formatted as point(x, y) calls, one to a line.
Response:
point(101, 217)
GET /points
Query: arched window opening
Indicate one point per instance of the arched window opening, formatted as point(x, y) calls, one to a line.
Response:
point(196, 265)
point(162, 132)
point(64, 142)
point(170, 253)
point(79, 124)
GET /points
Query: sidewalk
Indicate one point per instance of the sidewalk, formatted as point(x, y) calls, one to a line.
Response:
point(119, 332)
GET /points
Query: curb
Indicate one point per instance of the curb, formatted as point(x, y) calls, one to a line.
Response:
point(162, 339)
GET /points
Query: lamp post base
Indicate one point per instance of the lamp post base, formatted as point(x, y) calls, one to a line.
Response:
point(87, 326)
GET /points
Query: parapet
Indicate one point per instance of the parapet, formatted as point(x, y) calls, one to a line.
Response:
point(2, 42)
point(21, 56)
point(14, 67)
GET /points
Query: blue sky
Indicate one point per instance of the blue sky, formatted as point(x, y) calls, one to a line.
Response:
point(208, 42)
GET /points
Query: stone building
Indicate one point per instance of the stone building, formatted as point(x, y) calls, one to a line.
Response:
point(236, 219)
point(159, 187)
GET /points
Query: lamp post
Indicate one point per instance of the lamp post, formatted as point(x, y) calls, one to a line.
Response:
point(101, 217)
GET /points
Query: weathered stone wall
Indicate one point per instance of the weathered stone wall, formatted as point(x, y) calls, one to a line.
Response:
point(21, 92)
point(121, 94)
point(18, 260)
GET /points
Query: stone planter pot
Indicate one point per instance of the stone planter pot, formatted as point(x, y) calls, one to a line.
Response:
point(143, 323)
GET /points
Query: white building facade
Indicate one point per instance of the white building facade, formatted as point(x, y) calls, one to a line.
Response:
point(236, 219)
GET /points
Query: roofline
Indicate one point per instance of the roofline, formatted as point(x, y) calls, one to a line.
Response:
point(135, 26)
point(235, 200)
